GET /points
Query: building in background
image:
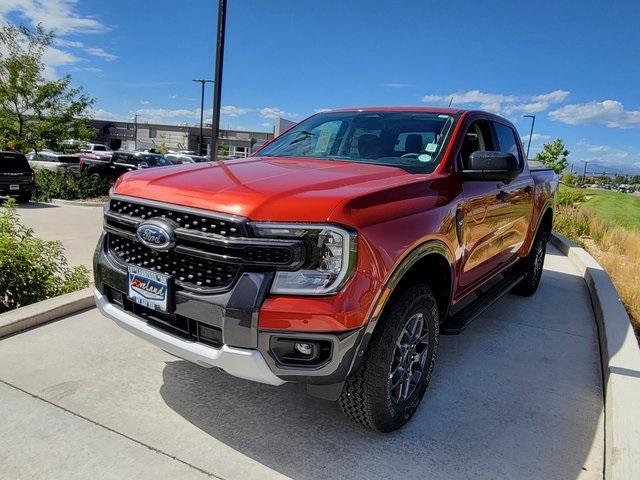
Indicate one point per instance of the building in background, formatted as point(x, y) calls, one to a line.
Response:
point(130, 136)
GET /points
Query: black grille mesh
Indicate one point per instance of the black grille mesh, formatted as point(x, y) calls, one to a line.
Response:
point(190, 272)
point(192, 221)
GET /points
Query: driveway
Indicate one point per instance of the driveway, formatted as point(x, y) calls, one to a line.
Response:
point(516, 395)
point(78, 228)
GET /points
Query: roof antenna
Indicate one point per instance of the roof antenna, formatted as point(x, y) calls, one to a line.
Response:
point(451, 100)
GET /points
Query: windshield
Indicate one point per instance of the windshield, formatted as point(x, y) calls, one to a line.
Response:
point(99, 148)
point(155, 160)
point(410, 140)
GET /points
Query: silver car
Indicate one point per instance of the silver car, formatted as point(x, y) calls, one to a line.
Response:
point(56, 162)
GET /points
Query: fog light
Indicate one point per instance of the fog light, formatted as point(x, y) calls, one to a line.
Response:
point(304, 348)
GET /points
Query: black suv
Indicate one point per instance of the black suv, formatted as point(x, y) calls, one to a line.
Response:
point(16, 176)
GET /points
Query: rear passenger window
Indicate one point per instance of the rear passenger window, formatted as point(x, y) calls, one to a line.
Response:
point(507, 141)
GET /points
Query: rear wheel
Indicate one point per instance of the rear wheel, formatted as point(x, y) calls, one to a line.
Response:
point(532, 266)
point(386, 389)
point(24, 198)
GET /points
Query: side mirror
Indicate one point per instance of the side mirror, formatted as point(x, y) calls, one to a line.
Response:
point(143, 165)
point(486, 165)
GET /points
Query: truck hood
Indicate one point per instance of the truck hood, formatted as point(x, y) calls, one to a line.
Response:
point(274, 188)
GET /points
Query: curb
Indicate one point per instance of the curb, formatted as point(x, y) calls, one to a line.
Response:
point(21, 319)
point(620, 357)
point(75, 203)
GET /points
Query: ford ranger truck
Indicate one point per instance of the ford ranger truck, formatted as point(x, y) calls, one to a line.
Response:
point(333, 257)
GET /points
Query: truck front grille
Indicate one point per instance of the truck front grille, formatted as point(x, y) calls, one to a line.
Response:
point(191, 273)
point(211, 250)
point(185, 219)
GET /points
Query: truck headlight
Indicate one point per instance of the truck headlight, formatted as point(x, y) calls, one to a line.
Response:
point(330, 261)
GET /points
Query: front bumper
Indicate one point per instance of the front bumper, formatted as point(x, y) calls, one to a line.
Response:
point(240, 362)
point(244, 351)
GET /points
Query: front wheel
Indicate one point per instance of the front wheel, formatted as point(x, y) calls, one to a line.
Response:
point(386, 389)
point(532, 266)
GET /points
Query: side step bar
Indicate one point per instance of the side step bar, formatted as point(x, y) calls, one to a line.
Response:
point(457, 323)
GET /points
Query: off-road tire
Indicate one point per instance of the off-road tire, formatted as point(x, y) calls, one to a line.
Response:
point(533, 266)
point(366, 397)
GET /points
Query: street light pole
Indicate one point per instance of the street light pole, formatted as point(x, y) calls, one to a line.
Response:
point(217, 85)
point(135, 131)
point(202, 83)
point(584, 172)
point(533, 122)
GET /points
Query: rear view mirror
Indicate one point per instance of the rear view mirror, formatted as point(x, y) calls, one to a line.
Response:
point(486, 165)
point(143, 165)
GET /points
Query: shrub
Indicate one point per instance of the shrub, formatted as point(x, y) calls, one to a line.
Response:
point(67, 186)
point(568, 196)
point(32, 269)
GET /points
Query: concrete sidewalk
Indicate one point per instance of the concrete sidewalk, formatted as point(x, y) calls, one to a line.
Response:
point(78, 228)
point(517, 395)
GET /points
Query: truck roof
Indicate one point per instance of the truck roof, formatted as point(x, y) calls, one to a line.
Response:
point(425, 109)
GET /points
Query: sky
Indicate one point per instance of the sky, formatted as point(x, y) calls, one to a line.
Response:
point(575, 64)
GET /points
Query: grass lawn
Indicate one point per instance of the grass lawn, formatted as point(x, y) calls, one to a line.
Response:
point(615, 207)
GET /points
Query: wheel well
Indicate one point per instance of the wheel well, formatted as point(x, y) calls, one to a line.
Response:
point(433, 269)
point(546, 224)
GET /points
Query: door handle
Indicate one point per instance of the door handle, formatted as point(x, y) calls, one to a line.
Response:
point(502, 196)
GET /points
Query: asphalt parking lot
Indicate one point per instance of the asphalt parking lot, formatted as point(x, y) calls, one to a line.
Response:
point(517, 395)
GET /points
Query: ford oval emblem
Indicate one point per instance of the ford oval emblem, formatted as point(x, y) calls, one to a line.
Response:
point(157, 234)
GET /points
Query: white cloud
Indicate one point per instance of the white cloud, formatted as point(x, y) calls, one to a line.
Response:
point(536, 137)
point(501, 103)
point(54, 57)
point(101, 114)
point(165, 113)
point(266, 124)
point(173, 97)
point(395, 85)
point(233, 111)
point(95, 51)
point(61, 17)
point(273, 112)
point(101, 53)
point(144, 102)
point(608, 112)
point(57, 15)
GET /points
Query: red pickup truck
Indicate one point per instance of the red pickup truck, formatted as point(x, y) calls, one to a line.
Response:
point(335, 256)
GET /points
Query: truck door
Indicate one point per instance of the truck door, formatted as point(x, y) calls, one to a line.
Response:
point(484, 216)
point(517, 195)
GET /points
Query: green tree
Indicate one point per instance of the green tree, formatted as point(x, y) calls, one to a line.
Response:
point(554, 155)
point(36, 112)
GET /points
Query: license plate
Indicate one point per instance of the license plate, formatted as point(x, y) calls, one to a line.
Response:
point(149, 289)
point(14, 187)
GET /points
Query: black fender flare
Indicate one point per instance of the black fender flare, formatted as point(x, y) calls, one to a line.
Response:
point(429, 247)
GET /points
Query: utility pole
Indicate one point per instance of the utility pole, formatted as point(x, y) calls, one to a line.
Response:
point(533, 122)
point(135, 131)
point(202, 83)
point(217, 85)
point(584, 172)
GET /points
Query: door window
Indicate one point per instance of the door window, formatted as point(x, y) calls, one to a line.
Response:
point(507, 141)
point(477, 137)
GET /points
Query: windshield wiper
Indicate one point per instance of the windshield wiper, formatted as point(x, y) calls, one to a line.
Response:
point(303, 136)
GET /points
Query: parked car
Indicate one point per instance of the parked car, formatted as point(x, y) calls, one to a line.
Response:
point(98, 149)
point(56, 162)
point(16, 176)
point(335, 256)
point(177, 158)
point(119, 163)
